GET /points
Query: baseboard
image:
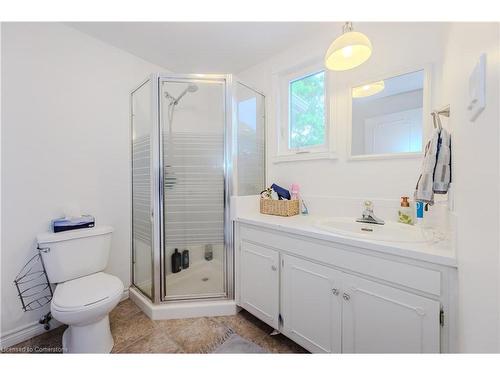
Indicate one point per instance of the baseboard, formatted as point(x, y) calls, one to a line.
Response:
point(125, 295)
point(26, 332)
point(30, 330)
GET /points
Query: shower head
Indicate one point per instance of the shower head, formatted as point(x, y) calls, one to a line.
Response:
point(191, 88)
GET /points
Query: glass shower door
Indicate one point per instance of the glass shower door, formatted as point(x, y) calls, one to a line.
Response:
point(142, 234)
point(250, 171)
point(194, 186)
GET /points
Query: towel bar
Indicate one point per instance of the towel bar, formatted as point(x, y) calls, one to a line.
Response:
point(445, 111)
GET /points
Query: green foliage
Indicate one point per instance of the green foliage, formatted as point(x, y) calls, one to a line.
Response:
point(307, 111)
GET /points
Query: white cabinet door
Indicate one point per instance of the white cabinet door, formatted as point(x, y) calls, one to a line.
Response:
point(380, 319)
point(259, 282)
point(311, 304)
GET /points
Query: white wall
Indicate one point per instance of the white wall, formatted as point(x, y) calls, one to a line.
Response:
point(65, 143)
point(397, 47)
point(476, 183)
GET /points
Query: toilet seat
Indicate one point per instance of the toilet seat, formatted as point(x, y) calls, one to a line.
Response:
point(82, 300)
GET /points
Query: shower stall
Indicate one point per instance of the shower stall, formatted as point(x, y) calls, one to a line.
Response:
point(196, 140)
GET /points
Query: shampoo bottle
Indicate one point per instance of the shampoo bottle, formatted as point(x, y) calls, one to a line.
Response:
point(209, 252)
point(176, 261)
point(185, 259)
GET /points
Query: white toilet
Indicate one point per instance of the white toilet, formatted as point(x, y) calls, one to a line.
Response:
point(84, 295)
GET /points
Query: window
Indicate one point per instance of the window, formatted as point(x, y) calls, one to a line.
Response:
point(303, 112)
point(307, 111)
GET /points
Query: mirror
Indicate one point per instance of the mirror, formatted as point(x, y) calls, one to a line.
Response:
point(387, 116)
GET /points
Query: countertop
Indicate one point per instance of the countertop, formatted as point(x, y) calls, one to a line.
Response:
point(439, 252)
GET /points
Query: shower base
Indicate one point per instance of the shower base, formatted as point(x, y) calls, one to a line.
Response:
point(184, 309)
point(202, 279)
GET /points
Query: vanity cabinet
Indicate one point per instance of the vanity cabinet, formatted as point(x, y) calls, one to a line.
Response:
point(259, 280)
point(326, 310)
point(311, 307)
point(381, 319)
point(325, 297)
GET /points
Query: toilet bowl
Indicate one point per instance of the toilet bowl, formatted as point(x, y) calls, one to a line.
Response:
point(84, 294)
point(84, 304)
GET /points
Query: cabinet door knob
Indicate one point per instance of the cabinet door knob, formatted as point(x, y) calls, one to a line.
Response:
point(273, 268)
point(346, 297)
point(335, 291)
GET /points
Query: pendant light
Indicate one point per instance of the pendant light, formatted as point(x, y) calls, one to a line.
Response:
point(349, 50)
point(368, 89)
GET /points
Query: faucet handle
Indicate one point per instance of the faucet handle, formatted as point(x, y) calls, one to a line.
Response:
point(368, 204)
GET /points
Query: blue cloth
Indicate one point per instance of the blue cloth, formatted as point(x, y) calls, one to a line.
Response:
point(282, 193)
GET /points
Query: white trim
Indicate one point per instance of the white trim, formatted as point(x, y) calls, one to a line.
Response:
point(125, 295)
point(30, 330)
point(26, 332)
point(426, 110)
point(398, 155)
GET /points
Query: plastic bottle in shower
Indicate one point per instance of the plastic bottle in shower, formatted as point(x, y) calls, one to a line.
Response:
point(185, 259)
point(176, 261)
point(209, 252)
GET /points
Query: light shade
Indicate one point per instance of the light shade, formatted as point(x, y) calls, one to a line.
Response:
point(348, 51)
point(368, 89)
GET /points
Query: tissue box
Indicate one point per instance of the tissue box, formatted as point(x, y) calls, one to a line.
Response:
point(279, 207)
point(69, 223)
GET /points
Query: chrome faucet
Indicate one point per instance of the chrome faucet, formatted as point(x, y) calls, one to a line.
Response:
point(368, 216)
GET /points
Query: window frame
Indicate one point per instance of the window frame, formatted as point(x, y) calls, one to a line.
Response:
point(283, 82)
point(427, 127)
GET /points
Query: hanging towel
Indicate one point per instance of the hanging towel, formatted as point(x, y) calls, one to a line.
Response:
point(425, 185)
point(442, 171)
point(435, 177)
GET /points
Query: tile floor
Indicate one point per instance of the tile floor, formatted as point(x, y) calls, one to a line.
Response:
point(134, 332)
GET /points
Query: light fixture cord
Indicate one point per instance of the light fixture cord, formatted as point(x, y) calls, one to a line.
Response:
point(347, 27)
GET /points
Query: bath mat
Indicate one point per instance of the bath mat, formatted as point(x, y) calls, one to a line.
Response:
point(196, 335)
point(237, 344)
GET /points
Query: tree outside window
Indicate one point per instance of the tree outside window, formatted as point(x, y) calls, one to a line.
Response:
point(307, 111)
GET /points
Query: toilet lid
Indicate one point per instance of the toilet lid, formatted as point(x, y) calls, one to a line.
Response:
point(86, 291)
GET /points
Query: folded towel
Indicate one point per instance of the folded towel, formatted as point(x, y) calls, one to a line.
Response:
point(442, 171)
point(282, 192)
point(425, 185)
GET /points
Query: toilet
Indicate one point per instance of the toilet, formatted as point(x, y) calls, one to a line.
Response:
point(84, 295)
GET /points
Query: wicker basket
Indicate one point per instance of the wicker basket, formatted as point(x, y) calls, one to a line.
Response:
point(279, 207)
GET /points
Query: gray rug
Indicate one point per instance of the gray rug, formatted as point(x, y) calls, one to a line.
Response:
point(237, 344)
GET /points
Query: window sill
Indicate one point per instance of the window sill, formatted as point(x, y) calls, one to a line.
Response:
point(304, 156)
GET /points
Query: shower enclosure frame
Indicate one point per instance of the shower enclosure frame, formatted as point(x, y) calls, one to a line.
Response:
point(157, 170)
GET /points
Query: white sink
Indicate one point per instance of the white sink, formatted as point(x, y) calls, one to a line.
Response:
point(389, 232)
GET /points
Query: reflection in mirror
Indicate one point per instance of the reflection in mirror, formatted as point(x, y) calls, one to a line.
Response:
point(387, 116)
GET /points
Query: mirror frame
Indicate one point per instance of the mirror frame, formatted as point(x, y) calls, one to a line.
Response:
point(426, 110)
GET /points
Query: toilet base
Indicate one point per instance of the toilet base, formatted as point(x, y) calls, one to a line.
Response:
point(91, 338)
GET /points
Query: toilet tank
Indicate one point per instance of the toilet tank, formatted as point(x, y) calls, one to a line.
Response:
point(75, 253)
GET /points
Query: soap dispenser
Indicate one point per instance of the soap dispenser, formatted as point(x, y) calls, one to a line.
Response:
point(405, 213)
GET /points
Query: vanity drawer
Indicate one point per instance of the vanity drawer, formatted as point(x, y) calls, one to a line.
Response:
point(346, 257)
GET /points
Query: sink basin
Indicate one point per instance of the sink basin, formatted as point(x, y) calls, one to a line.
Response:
point(389, 232)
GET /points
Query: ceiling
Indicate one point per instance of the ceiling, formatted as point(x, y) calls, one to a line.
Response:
point(205, 47)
